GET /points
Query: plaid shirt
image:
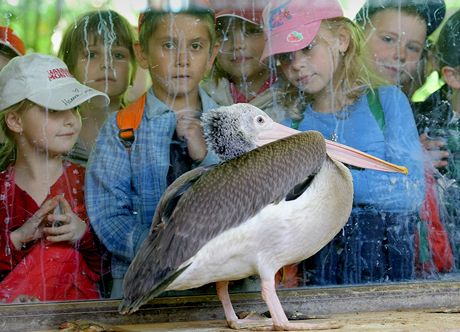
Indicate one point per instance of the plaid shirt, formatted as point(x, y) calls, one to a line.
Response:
point(123, 190)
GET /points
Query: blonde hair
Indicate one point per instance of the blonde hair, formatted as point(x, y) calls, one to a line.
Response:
point(351, 79)
point(8, 149)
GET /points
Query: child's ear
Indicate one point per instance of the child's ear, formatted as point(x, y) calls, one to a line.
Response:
point(212, 58)
point(141, 56)
point(14, 122)
point(344, 39)
point(451, 76)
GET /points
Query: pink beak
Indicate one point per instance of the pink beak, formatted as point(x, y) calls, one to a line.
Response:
point(337, 151)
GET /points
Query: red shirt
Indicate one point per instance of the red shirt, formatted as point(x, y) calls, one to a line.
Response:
point(17, 206)
point(239, 97)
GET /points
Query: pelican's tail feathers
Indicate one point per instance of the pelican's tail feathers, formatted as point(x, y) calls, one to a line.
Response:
point(131, 304)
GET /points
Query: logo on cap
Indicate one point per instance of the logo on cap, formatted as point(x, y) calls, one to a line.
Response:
point(294, 37)
point(280, 15)
point(56, 73)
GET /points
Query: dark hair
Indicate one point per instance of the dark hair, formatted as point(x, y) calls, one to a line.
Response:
point(447, 46)
point(105, 24)
point(7, 52)
point(432, 11)
point(148, 22)
point(223, 24)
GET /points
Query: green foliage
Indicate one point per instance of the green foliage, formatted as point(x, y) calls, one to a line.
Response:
point(37, 21)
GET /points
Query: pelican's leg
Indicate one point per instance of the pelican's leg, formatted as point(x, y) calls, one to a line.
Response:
point(232, 320)
point(280, 321)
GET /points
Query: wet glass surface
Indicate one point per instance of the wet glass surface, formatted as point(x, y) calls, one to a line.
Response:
point(390, 242)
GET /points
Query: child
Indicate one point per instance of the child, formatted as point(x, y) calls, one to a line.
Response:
point(319, 52)
point(238, 75)
point(126, 178)
point(48, 250)
point(98, 50)
point(10, 46)
point(396, 33)
point(441, 114)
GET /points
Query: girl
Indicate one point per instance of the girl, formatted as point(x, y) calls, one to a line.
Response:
point(329, 89)
point(238, 75)
point(98, 50)
point(396, 33)
point(48, 250)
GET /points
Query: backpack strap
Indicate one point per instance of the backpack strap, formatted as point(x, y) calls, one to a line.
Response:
point(129, 119)
point(376, 107)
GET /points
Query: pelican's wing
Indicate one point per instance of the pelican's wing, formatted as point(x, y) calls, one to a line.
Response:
point(173, 194)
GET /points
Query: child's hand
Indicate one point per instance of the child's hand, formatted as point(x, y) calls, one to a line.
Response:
point(433, 147)
point(66, 226)
point(189, 129)
point(32, 229)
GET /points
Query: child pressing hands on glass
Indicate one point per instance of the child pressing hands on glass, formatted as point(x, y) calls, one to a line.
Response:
point(48, 250)
point(54, 221)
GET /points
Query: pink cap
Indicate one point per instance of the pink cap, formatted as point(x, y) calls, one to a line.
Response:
point(10, 39)
point(250, 15)
point(291, 25)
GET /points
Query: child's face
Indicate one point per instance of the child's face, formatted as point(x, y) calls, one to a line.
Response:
point(241, 46)
point(396, 40)
point(53, 131)
point(104, 67)
point(312, 68)
point(178, 55)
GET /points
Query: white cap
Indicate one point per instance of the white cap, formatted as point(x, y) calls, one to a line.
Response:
point(44, 80)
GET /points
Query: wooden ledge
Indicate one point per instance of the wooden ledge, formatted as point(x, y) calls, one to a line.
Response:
point(310, 301)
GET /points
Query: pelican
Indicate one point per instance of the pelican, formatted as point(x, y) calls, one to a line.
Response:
point(269, 204)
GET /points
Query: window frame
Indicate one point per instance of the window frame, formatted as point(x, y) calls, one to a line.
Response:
point(432, 295)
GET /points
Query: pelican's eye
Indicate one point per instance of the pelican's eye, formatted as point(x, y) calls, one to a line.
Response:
point(260, 119)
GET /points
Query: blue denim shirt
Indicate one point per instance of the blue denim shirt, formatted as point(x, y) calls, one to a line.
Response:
point(123, 189)
point(398, 143)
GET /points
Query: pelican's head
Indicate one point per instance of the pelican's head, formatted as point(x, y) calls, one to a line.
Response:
point(233, 130)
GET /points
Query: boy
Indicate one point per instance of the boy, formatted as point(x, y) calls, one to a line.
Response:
point(124, 184)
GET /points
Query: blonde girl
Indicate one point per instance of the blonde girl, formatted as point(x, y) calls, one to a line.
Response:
point(48, 250)
point(319, 53)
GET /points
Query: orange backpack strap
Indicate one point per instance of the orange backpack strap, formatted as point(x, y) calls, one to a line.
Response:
point(129, 119)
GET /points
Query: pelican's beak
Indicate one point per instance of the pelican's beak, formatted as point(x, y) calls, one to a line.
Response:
point(337, 151)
